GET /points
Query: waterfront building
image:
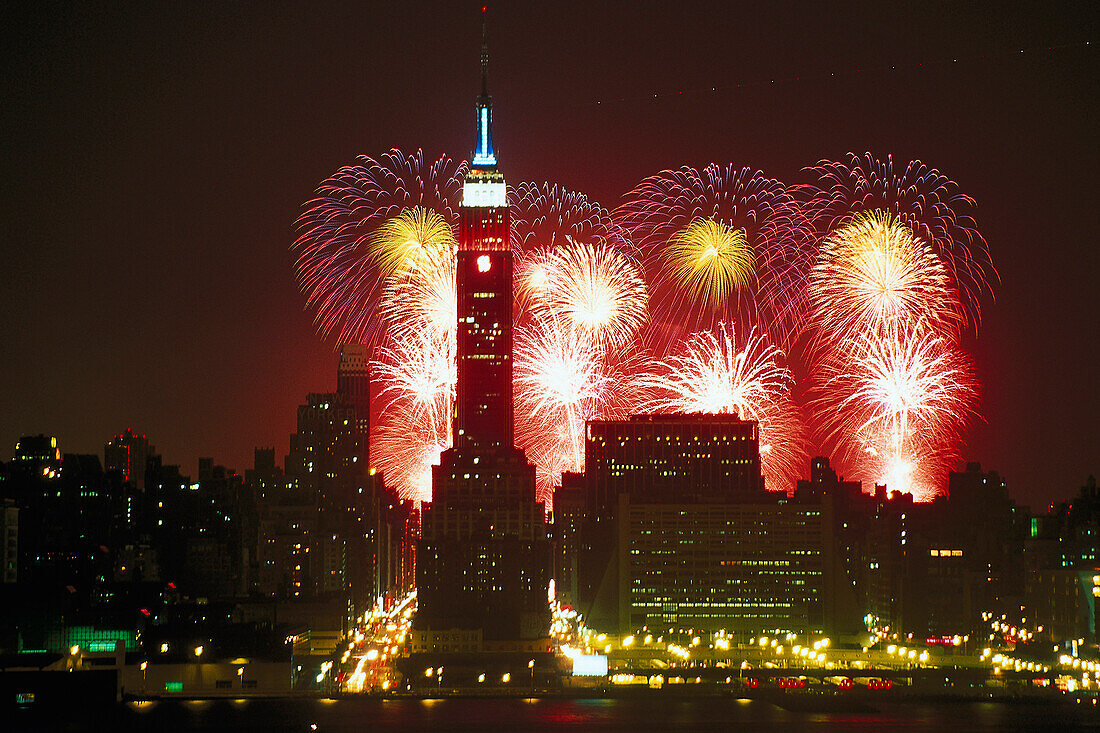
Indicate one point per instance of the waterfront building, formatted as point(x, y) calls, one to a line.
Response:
point(680, 534)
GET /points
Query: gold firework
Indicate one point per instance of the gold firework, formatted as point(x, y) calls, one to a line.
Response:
point(711, 259)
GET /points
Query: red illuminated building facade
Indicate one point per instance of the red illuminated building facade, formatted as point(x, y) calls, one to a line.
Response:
point(482, 562)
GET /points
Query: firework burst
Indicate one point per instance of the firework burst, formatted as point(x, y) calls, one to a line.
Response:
point(872, 271)
point(559, 384)
point(583, 305)
point(711, 373)
point(595, 290)
point(335, 265)
point(928, 202)
point(562, 380)
point(721, 244)
point(880, 270)
point(711, 259)
point(897, 403)
point(415, 251)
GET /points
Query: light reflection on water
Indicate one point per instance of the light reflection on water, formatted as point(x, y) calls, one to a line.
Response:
point(644, 713)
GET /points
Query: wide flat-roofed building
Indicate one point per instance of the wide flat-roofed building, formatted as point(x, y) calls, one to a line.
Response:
point(672, 458)
point(746, 568)
point(681, 534)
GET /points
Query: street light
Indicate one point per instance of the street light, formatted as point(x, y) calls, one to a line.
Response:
point(240, 673)
point(198, 650)
point(144, 667)
point(531, 666)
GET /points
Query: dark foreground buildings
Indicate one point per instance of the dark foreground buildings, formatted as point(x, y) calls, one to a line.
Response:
point(669, 530)
point(130, 548)
point(680, 534)
point(482, 561)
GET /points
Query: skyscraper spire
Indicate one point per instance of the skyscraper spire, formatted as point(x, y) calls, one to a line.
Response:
point(484, 54)
point(484, 155)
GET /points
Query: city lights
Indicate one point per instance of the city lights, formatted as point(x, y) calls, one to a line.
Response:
point(706, 446)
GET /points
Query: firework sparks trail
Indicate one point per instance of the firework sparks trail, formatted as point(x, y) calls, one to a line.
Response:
point(558, 382)
point(376, 261)
point(581, 307)
point(562, 380)
point(595, 290)
point(416, 252)
point(872, 271)
point(711, 373)
point(897, 403)
point(724, 244)
point(928, 202)
point(375, 258)
point(547, 215)
point(335, 266)
point(419, 373)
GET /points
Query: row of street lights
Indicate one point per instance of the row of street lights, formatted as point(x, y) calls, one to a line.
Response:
point(504, 678)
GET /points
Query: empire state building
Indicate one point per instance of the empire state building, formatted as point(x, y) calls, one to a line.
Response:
point(483, 557)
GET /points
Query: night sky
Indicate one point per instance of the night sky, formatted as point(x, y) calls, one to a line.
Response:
point(155, 156)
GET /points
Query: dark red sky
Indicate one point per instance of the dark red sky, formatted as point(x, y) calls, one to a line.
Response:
point(154, 157)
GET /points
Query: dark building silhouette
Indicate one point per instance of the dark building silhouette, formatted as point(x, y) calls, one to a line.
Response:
point(672, 458)
point(482, 561)
point(1062, 566)
point(328, 528)
point(353, 386)
point(845, 514)
point(569, 516)
point(9, 551)
point(127, 453)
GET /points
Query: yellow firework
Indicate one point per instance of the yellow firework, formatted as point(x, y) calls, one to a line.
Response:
point(872, 271)
point(711, 259)
point(414, 240)
point(415, 251)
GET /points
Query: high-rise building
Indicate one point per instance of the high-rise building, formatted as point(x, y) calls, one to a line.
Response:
point(672, 458)
point(329, 528)
point(127, 453)
point(680, 534)
point(747, 568)
point(482, 562)
point(353, 386)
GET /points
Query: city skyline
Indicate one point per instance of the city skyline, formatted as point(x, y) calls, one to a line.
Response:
point(190, 408)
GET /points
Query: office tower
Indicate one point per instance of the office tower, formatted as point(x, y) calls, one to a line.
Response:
point(353, 387)
point(681, 535)
point(127, 453)
point(483, 556)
